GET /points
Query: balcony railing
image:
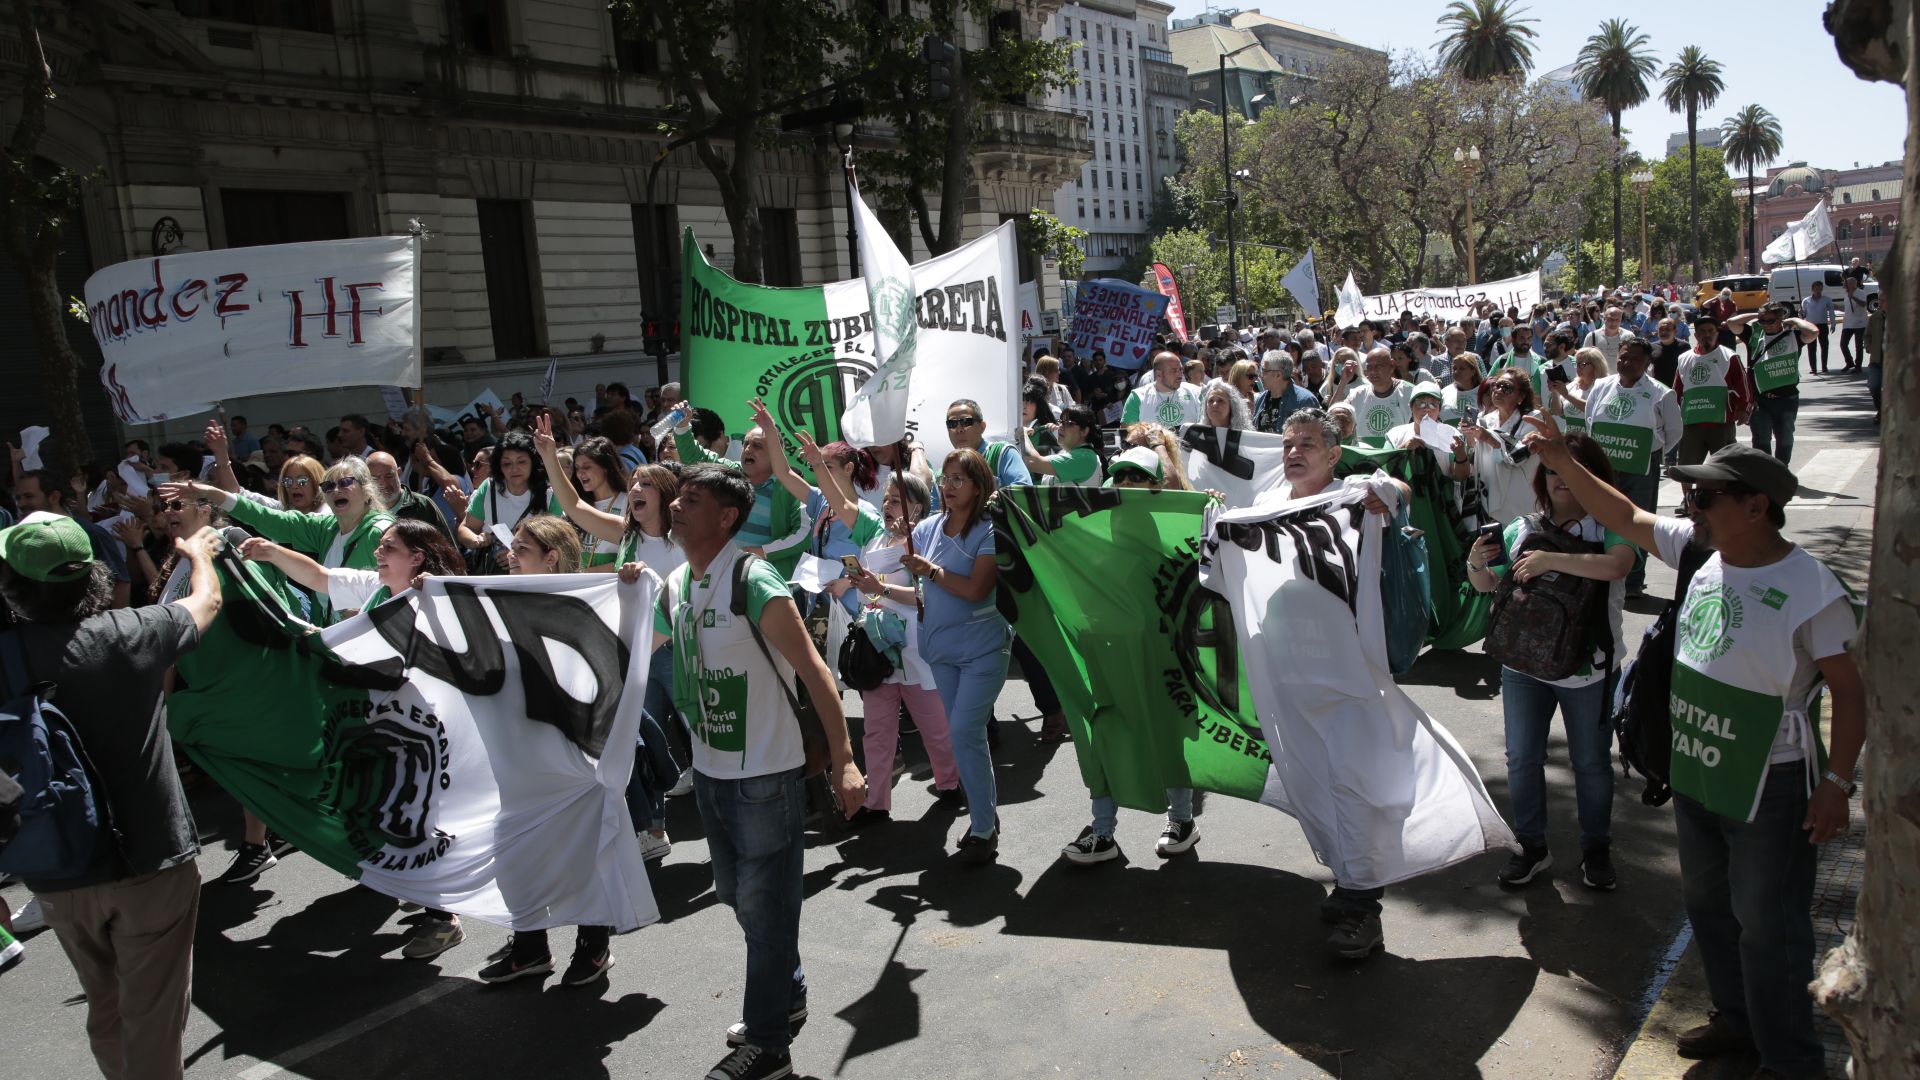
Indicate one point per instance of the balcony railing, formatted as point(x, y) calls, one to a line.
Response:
point(1038, 127)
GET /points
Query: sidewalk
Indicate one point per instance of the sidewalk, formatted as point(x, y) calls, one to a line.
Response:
point(1683, 1002)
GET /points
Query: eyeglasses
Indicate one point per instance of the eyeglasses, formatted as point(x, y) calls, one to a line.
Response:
point(345, 483)
point(1702, 498)
point(955, 423)
point(294, 482)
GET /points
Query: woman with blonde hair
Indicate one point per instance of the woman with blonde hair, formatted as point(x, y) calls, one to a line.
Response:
point(1568, 400)
point(1162, 442)
point(1244, 376)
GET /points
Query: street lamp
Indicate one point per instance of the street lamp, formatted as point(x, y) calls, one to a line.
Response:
point(843, 138)
point(1226, 167)
point(1469, 162)
point(1642, 181)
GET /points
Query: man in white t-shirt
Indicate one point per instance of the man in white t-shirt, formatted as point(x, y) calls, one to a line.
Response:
point(1609, 336)
point(1762, 624)
point(735, 659)
point(1380, 402)
point(1168, 400)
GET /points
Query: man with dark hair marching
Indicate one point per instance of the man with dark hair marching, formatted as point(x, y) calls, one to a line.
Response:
point(735, 660)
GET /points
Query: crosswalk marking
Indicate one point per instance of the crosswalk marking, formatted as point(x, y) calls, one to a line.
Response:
point(1831, 471)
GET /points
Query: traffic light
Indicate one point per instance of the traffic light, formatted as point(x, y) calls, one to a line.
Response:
point(943, 61)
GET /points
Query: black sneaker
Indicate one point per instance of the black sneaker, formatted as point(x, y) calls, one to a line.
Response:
point(867, 815)
point(1525, 866)
point(980, 849)
point(1596, 869)
point(752, 1063)
point(797, 1019)
point(279, 845)
point(953, 797)
point(1177, 838)
point(586, 967)
point(509, 968)
point(1715, 1038)
point(1090, 848)
point(1357, 936)
point(248, 864)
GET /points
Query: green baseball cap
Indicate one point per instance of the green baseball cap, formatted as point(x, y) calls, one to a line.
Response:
point(1427, 390)
point(47, 547)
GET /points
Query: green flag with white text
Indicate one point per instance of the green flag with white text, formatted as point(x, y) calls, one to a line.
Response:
point(1102, 585)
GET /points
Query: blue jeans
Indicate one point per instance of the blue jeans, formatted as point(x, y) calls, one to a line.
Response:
point(755, 838)
point(1772, 422)
point(1644, 490)
point(654, 768)
point(1106, 812)
point(968, 690)
point(1529, 705)
point(1749, 895)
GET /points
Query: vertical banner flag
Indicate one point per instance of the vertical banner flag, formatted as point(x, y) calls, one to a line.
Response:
point(1116, 318)
point(1353, 304)
point(878, 412)
point(1176, 312)
point(1304, 284)
point(464, 748)
point(807, 351)
point(1803, 239)
point(176, 329)
point(1147, 669)
point(546, 381)
point(1382, 791)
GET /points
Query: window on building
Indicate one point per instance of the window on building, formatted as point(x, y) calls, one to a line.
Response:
point(1133, 98)
point(633, 53)
point(1096, 210)
point(658, 255)
point(1073, 91)
point(1874, 229)
point(1109, 179)
point(1083, 29)
point(1108, 147)
point(1129, 67)
point(283, 217)
point(1846, 197)
point(1110, 211)
point(1080, 207)
point(1106, 122)
point(482, 27)
point(779, 246)
point(313, 15)
point(1876, 194)
point(1086, 62)
point(1138, 186)
point(1100, 34)
point(1126, 211)
point(1103, 63)
point(506, 252)
point(1129, 39)
point(1143, 210)
point(1096, 178)
point(1103, 92)
point(1136, 127)
point(1123, 181)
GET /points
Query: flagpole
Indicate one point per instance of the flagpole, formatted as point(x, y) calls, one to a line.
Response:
point(853, 235)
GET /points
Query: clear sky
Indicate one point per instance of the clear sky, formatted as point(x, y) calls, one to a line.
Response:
point(1773, 53)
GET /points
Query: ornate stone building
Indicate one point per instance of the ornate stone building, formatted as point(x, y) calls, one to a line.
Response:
point(519, 132)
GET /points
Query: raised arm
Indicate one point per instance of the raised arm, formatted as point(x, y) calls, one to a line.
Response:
point(215, 436)
point(776, 448)
point(296, 566)
point(1036, 464)
point(1608, 505)
point(598, 522)
point(203, 595)
point(841, 500)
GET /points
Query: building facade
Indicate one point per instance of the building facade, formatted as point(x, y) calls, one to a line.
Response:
point(1168, 94)
point(520, 135)
point(1110, 196)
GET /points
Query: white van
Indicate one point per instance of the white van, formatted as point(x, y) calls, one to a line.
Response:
point(1790, 285)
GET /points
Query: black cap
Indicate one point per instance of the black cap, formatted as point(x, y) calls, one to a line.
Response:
point(1742, 464)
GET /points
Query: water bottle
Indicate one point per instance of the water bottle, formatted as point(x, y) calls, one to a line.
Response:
point(670, 421)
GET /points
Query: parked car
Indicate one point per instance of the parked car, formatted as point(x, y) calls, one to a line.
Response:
point(1790, 285)
point(1749, 291)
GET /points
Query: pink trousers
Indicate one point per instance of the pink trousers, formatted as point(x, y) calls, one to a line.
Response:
point(882, 739)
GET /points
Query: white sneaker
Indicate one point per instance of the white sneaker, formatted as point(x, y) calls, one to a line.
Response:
point(654, 848)
point(683, 785)
point(29, 919)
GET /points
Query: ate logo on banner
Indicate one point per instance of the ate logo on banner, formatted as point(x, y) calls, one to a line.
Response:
point(810, 392)
point(1699, 373)
point(1620, 408)
point(1708, 621)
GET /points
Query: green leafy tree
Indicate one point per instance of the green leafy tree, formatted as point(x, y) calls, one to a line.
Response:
point(932, 143)
point(1486, 39)
point(1199, 267)
point(1692, 83)
point(1683, 194)
point(1751, 138)
point(37, 204)
point(1044, 234)
point(1612, 69)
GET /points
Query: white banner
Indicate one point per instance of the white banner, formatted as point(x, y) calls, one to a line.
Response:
point(1382, 791)
point(490, 786)
point(878, 412)
point(1453, 303)
point(1242, 465)
point(181, 332)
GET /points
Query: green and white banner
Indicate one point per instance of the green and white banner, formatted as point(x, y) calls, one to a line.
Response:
point(808, 351)
point(466, 748)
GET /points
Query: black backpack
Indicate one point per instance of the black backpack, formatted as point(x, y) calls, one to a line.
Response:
point(1642, 717)
point(1548, 627)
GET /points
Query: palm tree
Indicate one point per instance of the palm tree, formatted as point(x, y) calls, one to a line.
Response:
point(1612, 69)
point(1752, 138)
point(1487, 39)
point(1693, 83)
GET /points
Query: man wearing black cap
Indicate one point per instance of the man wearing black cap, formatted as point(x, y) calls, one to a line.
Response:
point(1762, 625)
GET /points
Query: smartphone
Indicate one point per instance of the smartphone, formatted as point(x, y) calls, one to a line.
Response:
point(851, 562)
point(1469, 414)
point(1500, 558)
point(1556, 373)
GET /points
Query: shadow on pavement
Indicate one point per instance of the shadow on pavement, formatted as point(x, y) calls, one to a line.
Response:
point(1470, 674)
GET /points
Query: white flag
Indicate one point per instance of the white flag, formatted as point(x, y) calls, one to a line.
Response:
point(1382, 791)
point(546, 381)
point(1353, 304)
point(1240, 465)
point(1802, 239)
point(878, 412)
point(1304, 284)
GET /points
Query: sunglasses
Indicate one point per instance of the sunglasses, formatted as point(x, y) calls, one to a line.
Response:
point(1504, 388)
point(345, 483)
point(955, 423)
point(1130, 477)
point(1701, 498)
point(294, 482)
point(181, 504)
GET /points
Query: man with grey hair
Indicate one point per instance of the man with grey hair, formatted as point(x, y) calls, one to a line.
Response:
point(1282, 396)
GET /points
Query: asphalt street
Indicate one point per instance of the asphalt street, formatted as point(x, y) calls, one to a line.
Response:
point(1207, 965)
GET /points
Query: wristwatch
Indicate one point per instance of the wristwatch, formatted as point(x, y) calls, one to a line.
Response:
point(1475, 569)
point(1847, 786)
